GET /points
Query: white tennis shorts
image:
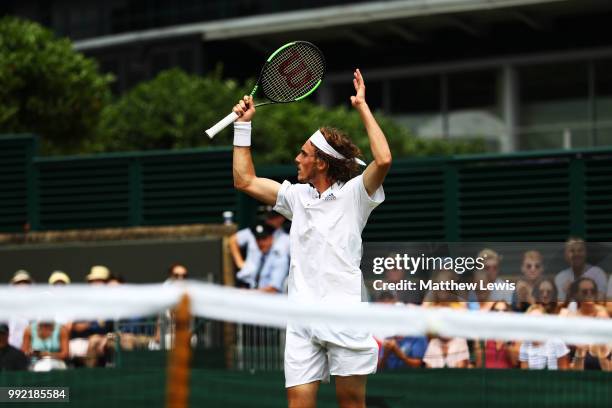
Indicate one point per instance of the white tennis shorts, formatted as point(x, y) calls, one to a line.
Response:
point(308, 358)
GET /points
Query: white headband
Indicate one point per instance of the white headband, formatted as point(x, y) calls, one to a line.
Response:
point(319, 140)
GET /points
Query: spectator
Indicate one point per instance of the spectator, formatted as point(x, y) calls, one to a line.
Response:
point(59, 278)
point(480, 299)
point(576, 255)
point(397, 351)
point(536, 355)
point(545, 295)
point(89, 340)
point(492, 261)
point(136, 332)
point(442, 297)
point(21, 277)
point(17, 325)
point(11, 358)
point(400, 352)
point(497, 353)
point(447, 352)
point(532, 268)
point(176, 272)
point(165, 328)
point(46, 340)
point(582, 302)
point(98, 275)
point(267, 262)
point(397, 275)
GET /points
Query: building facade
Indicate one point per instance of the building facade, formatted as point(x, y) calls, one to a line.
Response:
point(523, 74)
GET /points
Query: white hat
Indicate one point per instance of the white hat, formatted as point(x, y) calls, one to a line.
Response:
point(21, 276)
point(98, 272)
point(59, 276)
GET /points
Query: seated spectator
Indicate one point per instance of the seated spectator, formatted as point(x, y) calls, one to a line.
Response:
point(447, 352)
point(400, 352)
point(11, 358)
point(397, 351)
point(545, 294)
point(581, 301)
point(537, 355)
point(492, 262)
point(576, 256)
point(591, 357)
point(89, 339)
point(397, 275)
point(497, 353)
point(177, 272)
point(17, 324)
point(136, 332)
point(165, 328)
point(480, 299)
point(46, 340)
point(59, 278)
point(532, 269)
point(445, 298)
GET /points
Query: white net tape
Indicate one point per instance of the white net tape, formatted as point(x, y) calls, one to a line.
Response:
point(82, 302)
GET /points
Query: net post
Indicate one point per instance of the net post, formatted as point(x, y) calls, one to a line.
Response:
point(179, 358)
point(229, 329)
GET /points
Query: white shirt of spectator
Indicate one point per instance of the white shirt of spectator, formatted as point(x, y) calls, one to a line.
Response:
point(17, 326)
point(457, 351)
point(276, 266)
point(566, 277)
point(325, 238)
point(544, 355)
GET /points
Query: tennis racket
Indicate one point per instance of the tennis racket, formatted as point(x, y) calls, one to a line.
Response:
point(291, 73)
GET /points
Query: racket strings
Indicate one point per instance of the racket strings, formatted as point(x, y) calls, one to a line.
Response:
point(293, 73)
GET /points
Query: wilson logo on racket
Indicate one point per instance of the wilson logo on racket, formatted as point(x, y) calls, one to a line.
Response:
point(292, 74)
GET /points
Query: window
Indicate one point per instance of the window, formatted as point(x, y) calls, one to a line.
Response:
point(473, 107)
point(417, 104)
point(554, 105)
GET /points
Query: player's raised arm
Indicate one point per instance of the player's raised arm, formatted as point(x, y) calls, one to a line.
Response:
point(375, 173)
point(245, 179)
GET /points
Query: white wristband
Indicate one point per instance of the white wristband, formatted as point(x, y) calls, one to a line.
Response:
point(242, 134)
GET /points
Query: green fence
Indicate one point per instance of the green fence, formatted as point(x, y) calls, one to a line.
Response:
point(535, 196)
point(423, 388)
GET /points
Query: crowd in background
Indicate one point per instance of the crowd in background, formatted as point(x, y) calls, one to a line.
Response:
point(261, 258)
point(58, 344)
point(579, 290)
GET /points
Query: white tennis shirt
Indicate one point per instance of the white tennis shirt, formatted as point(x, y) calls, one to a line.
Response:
point(325, 238)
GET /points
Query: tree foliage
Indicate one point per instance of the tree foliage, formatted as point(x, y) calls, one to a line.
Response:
point(173, 110)
point(47, 87)
point(169, 112)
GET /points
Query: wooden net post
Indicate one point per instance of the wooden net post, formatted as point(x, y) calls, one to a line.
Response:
point(179, 358)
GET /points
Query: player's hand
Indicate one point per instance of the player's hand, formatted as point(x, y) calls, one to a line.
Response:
point(245, 109)
point(358, 100)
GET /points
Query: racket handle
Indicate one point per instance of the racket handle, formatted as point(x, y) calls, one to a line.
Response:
point(222, 124)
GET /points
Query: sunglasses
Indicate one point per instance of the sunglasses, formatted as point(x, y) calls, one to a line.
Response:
point(179, 275)
point(533, 266)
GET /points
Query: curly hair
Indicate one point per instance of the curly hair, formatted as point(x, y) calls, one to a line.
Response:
point(339, 169)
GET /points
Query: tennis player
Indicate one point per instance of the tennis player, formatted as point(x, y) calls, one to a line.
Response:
point(329, 208)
